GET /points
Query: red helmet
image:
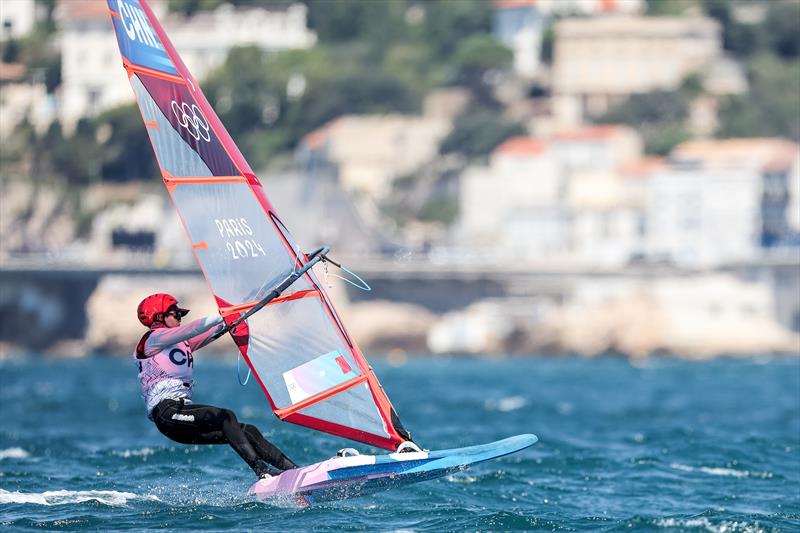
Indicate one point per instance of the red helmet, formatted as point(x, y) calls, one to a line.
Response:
point(153, 308)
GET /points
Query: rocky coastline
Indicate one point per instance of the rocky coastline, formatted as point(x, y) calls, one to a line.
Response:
point(661, 317)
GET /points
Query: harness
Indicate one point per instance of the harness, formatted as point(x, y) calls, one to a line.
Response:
point(140, 346)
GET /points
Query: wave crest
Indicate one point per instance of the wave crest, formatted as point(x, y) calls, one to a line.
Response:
point(13, 453)
point(62, 497)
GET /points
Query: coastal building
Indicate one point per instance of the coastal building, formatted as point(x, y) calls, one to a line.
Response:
point(17, 18)
point(599, 61)
point(520, 24)
point(204, 39)
point(793, 204)
point(23, 96)
point(91, 77)
point(608, 220)
point(368, 152)
point(590, 8)
point(720, 201)
point(514, 205)
point(604, 147)
point(92, 80)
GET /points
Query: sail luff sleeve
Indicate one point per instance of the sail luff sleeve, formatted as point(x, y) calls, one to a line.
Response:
point(306, 363)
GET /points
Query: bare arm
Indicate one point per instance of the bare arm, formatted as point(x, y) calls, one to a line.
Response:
point(164, 337)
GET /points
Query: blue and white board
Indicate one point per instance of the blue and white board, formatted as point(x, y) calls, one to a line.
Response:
point(348, 477)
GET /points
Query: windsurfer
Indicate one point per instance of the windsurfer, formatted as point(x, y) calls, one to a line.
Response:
point(165, 361)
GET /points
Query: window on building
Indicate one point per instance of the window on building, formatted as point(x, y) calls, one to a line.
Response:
point(93, 95)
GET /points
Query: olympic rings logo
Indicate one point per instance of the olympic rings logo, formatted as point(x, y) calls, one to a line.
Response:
point(191, 119)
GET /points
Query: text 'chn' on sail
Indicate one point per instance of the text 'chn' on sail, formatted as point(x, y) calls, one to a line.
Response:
point(311, 370)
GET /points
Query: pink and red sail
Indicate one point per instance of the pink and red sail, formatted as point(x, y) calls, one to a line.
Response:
point(310, 369)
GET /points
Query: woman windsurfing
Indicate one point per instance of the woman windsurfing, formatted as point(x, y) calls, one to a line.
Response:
point(165, 360)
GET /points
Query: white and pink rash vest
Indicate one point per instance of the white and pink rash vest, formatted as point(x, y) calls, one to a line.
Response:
point(164, 358)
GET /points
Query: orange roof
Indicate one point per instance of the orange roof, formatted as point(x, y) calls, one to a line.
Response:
point(771, 152)
point(521, 146)
point(591, 133)
point(511, 4)
point(316, 138)
point(643, 166)
point(608, 6)
point(83, 10)
point(784, 157)
point(12, 71)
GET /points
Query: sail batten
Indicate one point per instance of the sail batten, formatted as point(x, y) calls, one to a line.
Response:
point(307, 365)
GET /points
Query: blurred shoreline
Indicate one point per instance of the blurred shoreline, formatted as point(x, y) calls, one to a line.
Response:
point(434, 310)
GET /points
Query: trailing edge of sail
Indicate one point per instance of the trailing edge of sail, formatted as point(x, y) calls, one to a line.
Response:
point(311, 371)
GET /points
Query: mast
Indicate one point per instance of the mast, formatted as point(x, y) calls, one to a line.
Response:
point(308, 366)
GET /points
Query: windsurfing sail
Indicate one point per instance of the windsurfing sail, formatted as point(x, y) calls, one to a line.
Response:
point(309, 367)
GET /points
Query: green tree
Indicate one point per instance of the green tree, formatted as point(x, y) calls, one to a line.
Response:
point(78, 158)
point(439, 209)
point(127, 154)
point(475, 57)
point(661, 8)
point(477, 132)
point(742, 40)
point(657, 107)
point(10, 51)
point(772, 106)
point(781, 28)
point(343, 20)
point(660, 140)
point(481, 52)
point(659, 116)
point(548, 43)
point(356, 93)
point(447, 23)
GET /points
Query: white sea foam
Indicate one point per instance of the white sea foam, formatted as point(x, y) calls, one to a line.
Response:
point(714, 471)
point(61, 497)
point(705, 523)
point(509, 403)
point(13, 453)
point(461, 478)
point(143, 452)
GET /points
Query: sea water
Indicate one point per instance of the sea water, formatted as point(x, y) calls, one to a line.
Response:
point(665, 445)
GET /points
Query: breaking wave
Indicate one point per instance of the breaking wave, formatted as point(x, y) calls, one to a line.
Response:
point(61, 497)
point(13, 453)
point(714, 471)
point(706, 525)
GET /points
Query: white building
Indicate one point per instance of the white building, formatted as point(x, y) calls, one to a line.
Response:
point(599, 61)
point(608, 218)
point(204, 39)
point(793, 212)
point(514, 205)
point(708, 207)
point(93, 80)
point(520, 24)
point(17, 18)
point(605, 147)
point(589, 7)
point(578, 196)
point(369, 152)
point(20, 100)
point(92, 77)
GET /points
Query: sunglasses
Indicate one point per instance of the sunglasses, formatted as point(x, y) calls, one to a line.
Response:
point(175, 312)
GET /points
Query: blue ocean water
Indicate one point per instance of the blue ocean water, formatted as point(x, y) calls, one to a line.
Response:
point(665, 446)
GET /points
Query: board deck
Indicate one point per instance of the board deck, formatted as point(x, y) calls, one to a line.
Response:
point(349, 477)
